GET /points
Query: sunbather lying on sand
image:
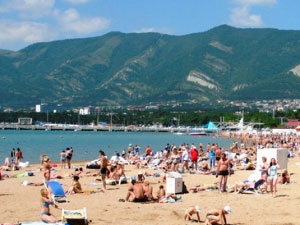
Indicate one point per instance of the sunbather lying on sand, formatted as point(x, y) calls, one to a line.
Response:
point(26, 183)
point(247, 184)
point(204, 187)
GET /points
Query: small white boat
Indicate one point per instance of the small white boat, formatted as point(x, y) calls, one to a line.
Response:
point(179, 133)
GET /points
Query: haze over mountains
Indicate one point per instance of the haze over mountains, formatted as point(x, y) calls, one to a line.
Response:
point(148, 68)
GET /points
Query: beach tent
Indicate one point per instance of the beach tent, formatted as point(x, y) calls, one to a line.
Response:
point(211, 126)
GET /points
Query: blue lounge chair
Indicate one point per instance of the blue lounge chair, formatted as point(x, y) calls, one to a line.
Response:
point(57, 191)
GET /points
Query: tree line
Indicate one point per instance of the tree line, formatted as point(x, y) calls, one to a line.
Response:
point(164, 117)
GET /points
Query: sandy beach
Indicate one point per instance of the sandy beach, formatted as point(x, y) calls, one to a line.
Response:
point(22, 203)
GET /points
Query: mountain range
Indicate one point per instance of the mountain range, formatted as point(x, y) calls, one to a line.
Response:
point(224, 63)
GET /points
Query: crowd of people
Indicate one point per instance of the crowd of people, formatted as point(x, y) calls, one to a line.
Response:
point(206, 160)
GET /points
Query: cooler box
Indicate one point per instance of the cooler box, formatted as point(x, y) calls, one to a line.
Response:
point(280, 154)
point(75, 217)
point(174, 183)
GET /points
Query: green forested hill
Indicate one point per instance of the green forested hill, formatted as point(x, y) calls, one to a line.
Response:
point(132, 69)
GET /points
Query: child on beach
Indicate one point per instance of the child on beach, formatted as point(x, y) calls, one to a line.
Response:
point(189, 212)
point(285, 178)
point(161, 193)
point(217, 216)
point(76, 186)
point(46, 201)
point(140, 177)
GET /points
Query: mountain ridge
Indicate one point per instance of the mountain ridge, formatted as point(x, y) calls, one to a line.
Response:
point(223, 63)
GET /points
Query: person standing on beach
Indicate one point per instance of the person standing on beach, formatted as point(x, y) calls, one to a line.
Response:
point(69, 155)
point(218, 152)
point(223, 170)
point(103, 167)
point(13, 155)
point(63, 159)
point(273, 176)
point(47, 167)
point(212, 158)
point(19, 155)
point(148, 151)
point(185, 158)
point(130, 149)
point(194, 157)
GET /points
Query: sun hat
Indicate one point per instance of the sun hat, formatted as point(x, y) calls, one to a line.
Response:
point(197, 207)
point(140, 173)
point(227, 209)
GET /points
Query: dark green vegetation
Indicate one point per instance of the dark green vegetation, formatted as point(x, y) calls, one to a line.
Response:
point(166, 118)
point(148, 68)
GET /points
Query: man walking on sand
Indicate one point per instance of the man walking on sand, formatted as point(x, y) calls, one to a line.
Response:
point(103, 167)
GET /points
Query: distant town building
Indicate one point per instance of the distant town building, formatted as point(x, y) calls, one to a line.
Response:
point(151, 107)
point(25, 121)
point(292, 123)
point(88, 110)
point(45, 107)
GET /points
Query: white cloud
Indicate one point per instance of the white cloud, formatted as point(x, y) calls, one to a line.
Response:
point(28, 8)
point(153, 29)
point(255, 2)
point(241, 16)
point(70, 20)
point(24, 32)
point(78, 1)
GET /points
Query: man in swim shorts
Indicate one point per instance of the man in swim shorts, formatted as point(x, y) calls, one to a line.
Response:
point(136, 192)
point(103, 167)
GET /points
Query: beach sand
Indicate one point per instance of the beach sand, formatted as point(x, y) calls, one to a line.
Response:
point(22, 203)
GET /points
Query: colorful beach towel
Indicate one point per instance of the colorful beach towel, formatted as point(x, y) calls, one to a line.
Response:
point(42, 223)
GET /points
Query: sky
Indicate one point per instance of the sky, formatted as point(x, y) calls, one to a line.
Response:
point(24, 22)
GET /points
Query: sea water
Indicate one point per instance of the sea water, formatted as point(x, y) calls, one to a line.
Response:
point(86, 144)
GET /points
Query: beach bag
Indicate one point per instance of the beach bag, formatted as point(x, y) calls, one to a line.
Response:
point(92, 166)
point(184, 188)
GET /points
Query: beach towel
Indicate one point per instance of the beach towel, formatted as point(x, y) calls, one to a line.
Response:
point(42, 223)
point(23, 164)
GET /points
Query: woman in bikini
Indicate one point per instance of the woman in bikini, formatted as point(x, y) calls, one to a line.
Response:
point(47, 168)
point(46, 201)
point(223, 170)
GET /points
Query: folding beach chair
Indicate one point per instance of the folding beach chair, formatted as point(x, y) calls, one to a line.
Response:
point(57, 192)
point(254, 188)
